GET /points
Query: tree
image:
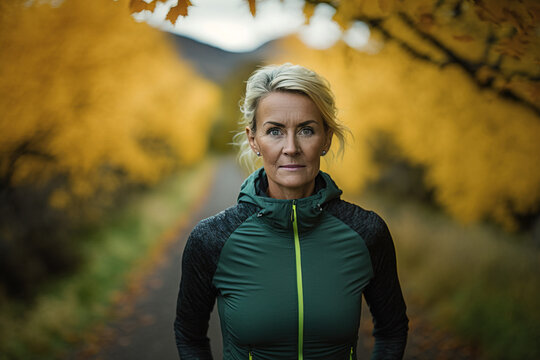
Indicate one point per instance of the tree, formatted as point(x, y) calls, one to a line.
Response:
point(477, 150)
point(91, 103)
point(455, 87)
point(494, 41)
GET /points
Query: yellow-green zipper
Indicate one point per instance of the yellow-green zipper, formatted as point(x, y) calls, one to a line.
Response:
point(299, 285)
point(250, 356)
point(351, 357)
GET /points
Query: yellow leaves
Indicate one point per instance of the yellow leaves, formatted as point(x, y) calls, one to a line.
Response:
point(515, 46)
point(387, 6)
point(486, 74)
point(421, 11)
point(530, 88)
point(59, 199)
point(351, 10)
point(179, 10)
point(94, 103)
point(308, 10)
point(347, 12)
point(136, 6)
point(464, 38)
point(479, 152)
point(252, 7)
point(522, 15)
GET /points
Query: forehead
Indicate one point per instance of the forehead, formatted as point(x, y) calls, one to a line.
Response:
point(286, 107)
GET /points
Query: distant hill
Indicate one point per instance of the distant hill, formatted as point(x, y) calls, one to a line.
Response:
point(217, 64)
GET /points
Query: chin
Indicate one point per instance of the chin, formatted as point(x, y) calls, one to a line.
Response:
point(295, 183)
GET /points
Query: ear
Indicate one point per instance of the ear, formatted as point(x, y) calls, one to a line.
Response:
point(329, 135)
point(251, 138)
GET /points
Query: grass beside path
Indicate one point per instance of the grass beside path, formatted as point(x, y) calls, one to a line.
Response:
point(475, 281)
point(129, 240)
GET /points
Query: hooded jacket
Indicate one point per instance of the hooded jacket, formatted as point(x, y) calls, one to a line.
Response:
point(289, 276)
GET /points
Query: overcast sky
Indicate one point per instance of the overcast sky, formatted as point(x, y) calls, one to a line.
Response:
point(228, 24)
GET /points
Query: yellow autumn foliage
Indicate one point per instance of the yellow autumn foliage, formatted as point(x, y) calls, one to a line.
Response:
point(480, 152)
point(89, 94)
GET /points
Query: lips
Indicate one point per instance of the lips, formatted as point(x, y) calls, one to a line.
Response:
point(292, 166)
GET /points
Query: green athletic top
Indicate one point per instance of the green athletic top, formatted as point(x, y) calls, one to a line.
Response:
point(289, 276)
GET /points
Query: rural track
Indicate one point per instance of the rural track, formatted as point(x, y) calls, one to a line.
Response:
point(146, 332)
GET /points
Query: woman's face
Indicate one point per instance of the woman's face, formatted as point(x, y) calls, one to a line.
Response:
point(290, 136)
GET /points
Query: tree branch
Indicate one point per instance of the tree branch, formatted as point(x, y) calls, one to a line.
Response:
point(470, 68)
point(378, 24)
point(23, 149)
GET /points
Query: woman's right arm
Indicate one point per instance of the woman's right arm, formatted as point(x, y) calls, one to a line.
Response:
point(195, 302)
point(197, 294)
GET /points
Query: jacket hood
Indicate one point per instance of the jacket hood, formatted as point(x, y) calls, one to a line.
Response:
point(278, 212)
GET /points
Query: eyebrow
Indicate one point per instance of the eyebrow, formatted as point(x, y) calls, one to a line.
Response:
point(281, 125)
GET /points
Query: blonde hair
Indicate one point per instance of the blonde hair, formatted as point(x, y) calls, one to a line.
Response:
point(287, 78)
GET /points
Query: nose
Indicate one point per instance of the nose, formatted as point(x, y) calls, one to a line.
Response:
point(291, 147)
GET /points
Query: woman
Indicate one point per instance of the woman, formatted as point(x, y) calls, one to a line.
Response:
point(289, 263)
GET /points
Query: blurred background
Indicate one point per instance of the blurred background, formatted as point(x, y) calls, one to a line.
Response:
point(116, 117)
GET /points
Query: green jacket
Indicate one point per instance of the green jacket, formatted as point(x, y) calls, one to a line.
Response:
point(289, 276)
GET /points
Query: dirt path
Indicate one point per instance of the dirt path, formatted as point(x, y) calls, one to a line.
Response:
point(145, 328)
point(146, 331)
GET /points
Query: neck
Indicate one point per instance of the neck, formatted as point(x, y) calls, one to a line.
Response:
point(278, 192)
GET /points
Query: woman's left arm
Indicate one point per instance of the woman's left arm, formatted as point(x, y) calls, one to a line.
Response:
point(383, 295)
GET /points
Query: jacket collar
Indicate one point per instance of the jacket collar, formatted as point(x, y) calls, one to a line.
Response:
point(278, 212)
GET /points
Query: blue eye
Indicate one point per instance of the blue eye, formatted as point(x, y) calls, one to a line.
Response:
point(307, 131)
point(274, 132)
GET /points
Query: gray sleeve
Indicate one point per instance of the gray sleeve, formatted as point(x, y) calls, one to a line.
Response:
point(197, 294)
point(383, 293)
point(195, 302)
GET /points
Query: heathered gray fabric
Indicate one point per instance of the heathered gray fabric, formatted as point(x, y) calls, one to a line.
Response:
point(383, 294)
point(197, 295)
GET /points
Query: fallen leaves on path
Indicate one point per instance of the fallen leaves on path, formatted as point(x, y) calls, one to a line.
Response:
point(425, 341)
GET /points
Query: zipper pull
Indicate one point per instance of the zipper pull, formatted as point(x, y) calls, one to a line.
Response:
point(293, 211)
